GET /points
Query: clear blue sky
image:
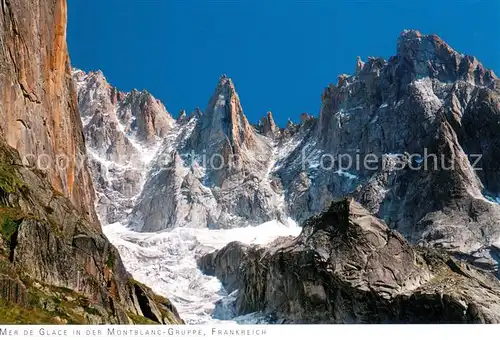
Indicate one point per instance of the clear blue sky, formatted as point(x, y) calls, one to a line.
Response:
point(280, 54)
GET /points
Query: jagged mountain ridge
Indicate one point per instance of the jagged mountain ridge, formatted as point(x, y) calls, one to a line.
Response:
point(217, 172)
point(121, 131)
point(426, 97)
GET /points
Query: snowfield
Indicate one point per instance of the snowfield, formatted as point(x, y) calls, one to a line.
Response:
point(166, 261)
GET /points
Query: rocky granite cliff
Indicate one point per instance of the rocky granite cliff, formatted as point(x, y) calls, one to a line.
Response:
point(70, 142)
point(37, 99)
point(348, 267)
point(56, 266)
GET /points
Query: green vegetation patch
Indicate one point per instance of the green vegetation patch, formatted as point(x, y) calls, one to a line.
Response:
point(8, 228)
point(9, 181)
point(10, 220)
point(66, 304)
point(134, 282)
point(91, 310)
point(11, 314)
point(141, 320)
point(166, 314)
point(111, 260)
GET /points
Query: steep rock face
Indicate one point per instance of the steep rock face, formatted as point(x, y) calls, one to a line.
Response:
point(223, 121)
point(146, 115)
point(178, 200)
point(216, 171)
point(224, 131)
point(122, 132)
point(429, 56)
point(348, 267)
point(37, 98)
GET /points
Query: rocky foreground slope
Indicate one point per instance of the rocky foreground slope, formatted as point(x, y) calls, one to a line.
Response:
point(56, 266)
point(347, 266)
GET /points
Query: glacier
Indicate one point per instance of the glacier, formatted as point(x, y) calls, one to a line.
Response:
point(166, 261)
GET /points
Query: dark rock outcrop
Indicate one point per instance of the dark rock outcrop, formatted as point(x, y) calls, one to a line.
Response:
point(182, 116)
point(348, 267)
